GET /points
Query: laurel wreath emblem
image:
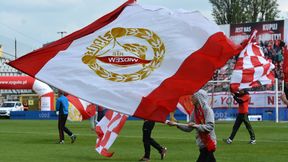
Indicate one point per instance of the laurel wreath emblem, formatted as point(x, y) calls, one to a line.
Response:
point(90, 57)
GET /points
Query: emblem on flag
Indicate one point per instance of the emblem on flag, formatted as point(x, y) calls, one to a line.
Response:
point(113, 48)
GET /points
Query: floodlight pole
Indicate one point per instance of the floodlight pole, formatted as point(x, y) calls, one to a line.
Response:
point(15, 47)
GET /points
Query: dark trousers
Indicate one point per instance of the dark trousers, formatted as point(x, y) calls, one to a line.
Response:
point(242, 118)
point(61, 126)
point(206, 156)
point(147, 140)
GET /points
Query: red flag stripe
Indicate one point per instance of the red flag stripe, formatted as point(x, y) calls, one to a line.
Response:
point(77, 104)
point(109, 114)
point(239, 64)
point(247, 75)
point(256, 50)
point(271, 77)
point(118, 128)
point(266, 68)
point(255, 61)
point(105, 152)
point(209, 55)
point(114, 119)
point(106, 138)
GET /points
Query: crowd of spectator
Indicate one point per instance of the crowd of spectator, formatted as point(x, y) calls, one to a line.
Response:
point(273, 50)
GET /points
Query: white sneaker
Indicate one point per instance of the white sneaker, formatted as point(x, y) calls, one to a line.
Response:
point(61, 142)
point(228, 141)
point(73, 138)
point(252, 142)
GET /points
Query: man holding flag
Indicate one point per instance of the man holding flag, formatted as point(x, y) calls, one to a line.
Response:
point(203, 122)
point(242, 99)
point(251, 70)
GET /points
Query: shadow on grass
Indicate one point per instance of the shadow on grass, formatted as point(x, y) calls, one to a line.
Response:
point(4, 117)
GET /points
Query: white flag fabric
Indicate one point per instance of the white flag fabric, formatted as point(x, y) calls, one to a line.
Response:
point(107, 130)
point(251, 68)
point(136, 60)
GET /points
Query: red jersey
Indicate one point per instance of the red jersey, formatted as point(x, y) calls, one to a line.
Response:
point(243, 107)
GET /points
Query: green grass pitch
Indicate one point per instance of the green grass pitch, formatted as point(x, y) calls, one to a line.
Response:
point(35, 141)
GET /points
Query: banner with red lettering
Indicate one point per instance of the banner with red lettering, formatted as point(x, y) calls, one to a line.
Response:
point(26, 82)
point(263, 99)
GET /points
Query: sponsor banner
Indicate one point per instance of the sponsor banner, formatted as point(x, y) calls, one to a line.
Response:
point(272, 30)
point(263, 99)
point(16, 82)
point(27, 82)
point(33, 115)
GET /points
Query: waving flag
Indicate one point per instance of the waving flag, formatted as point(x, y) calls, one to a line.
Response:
point(79, 109)
point(251, 68)
point(136, 60)
point(107, 130)
point(185, 105)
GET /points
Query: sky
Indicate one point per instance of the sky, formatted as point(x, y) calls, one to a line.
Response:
point(36, 22)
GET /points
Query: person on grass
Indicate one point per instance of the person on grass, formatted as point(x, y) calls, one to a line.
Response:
point(202, 120)
point(242, 98)
point(62, 105)
point(95, 119)
point(148, 141)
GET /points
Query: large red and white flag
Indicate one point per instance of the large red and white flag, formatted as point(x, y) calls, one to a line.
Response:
point(136, 60)
point(251, 68)
point(107, 130)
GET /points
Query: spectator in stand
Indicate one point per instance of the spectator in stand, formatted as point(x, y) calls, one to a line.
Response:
point(273, 50)
point(25, 105)
point(242, 99)
point(202, 120)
